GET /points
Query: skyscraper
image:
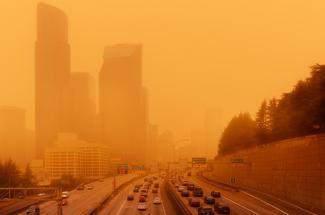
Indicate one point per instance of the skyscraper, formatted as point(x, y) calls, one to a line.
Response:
point(121, 102)
point(83, 107)
point(52, 74)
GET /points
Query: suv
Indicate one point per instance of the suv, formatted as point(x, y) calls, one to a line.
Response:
point(185, 193)
point(221, 208)
point(215, 194)
point(194, 202)
point(190, 186)
point(198, 192)
point(33, 210)
point(209, 200)
point(205, 211)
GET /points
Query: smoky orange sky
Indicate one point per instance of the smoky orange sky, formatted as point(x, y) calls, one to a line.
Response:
point(224, 54)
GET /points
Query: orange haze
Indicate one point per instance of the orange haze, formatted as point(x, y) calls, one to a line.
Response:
point(228, 55)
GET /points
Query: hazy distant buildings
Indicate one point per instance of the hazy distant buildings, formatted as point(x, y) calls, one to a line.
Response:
point(52, 75)
point(13, 135)
point(213, 131)
point(122, 102)
point(152, 145)
point(166, 147)
point(83, 107)
point(75, 157)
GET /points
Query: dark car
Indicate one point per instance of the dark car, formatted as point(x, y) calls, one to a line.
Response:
point(64, 202)
point(136, 190)
point(130, 197)
point(198, 192)
point(156, 185)
point(142, 199)
point(189, 174)
point(33, 210)
point(154, 191)
point(215, 194)
point(81, 187)
point(194, 202)
point(190, 186)
point(209, 200)
point(205, 211)
point(221, 208)
point(185, 193)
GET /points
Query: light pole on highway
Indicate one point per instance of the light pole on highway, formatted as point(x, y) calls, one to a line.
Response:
point(59, 200)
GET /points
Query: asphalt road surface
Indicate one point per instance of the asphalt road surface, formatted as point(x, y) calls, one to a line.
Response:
point(242, 203)
point(81, 201)
point(121, 206)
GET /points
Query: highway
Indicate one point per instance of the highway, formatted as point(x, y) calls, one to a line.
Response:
point(82, 201)
point(240, 202)
point(121, 206)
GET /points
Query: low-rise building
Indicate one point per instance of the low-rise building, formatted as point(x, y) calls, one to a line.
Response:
point(72, 156)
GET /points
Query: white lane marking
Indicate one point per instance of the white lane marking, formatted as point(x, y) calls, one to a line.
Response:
point(236, 203)
point(242, 206)
point(122, 206)
point(269, 204)
point(163, 207)
point(307, 211)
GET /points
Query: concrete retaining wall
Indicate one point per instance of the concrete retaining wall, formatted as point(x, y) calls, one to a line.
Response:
point(293, 170)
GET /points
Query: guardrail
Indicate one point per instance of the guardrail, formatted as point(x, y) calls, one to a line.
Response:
point(176, 199)
point(95, 209)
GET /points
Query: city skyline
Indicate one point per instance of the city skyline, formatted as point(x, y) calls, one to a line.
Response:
point(285, 52)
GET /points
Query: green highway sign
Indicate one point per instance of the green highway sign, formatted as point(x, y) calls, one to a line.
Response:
point(237, 160)
point(199, 160)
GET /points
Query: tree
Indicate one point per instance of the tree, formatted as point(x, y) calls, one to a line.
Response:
point(262, 123)
point(10, 174)
point(239, 134)
point(28, 180)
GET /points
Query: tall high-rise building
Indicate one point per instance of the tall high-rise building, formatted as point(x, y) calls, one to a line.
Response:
point(52, 74)
point(13, 135)
point(83, 107)
point(122, 103)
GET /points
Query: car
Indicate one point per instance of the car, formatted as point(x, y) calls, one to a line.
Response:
point(198, 192)
point(88, 187)
point(136, 190)
point(40, 194)
point(185, 193)
point(215, 194)
point(221, 208)
point(20, 196)
point(142, 206)
point(33, 210)
point(190, 186)
point(176, 185)
point(205, 211)
point(64, 202)
point(181, 188)
point(189, 174)
point(154, 190)
point(130, 197)
point(156, 185)
point(185, 183)
point(194, 202)
point(157, 200)
point(145, 194)
point(142, 199)
point(65, 194)
point(209, 200)
point(81, 187)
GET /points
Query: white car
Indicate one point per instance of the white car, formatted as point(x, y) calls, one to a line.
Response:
point(65, 194)
point(157, 200)
point(142, 206)
point(88, 187)
point(181, 188)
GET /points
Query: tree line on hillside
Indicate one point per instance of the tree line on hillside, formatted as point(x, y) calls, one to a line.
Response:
point(297, 113)
point(11, 176)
